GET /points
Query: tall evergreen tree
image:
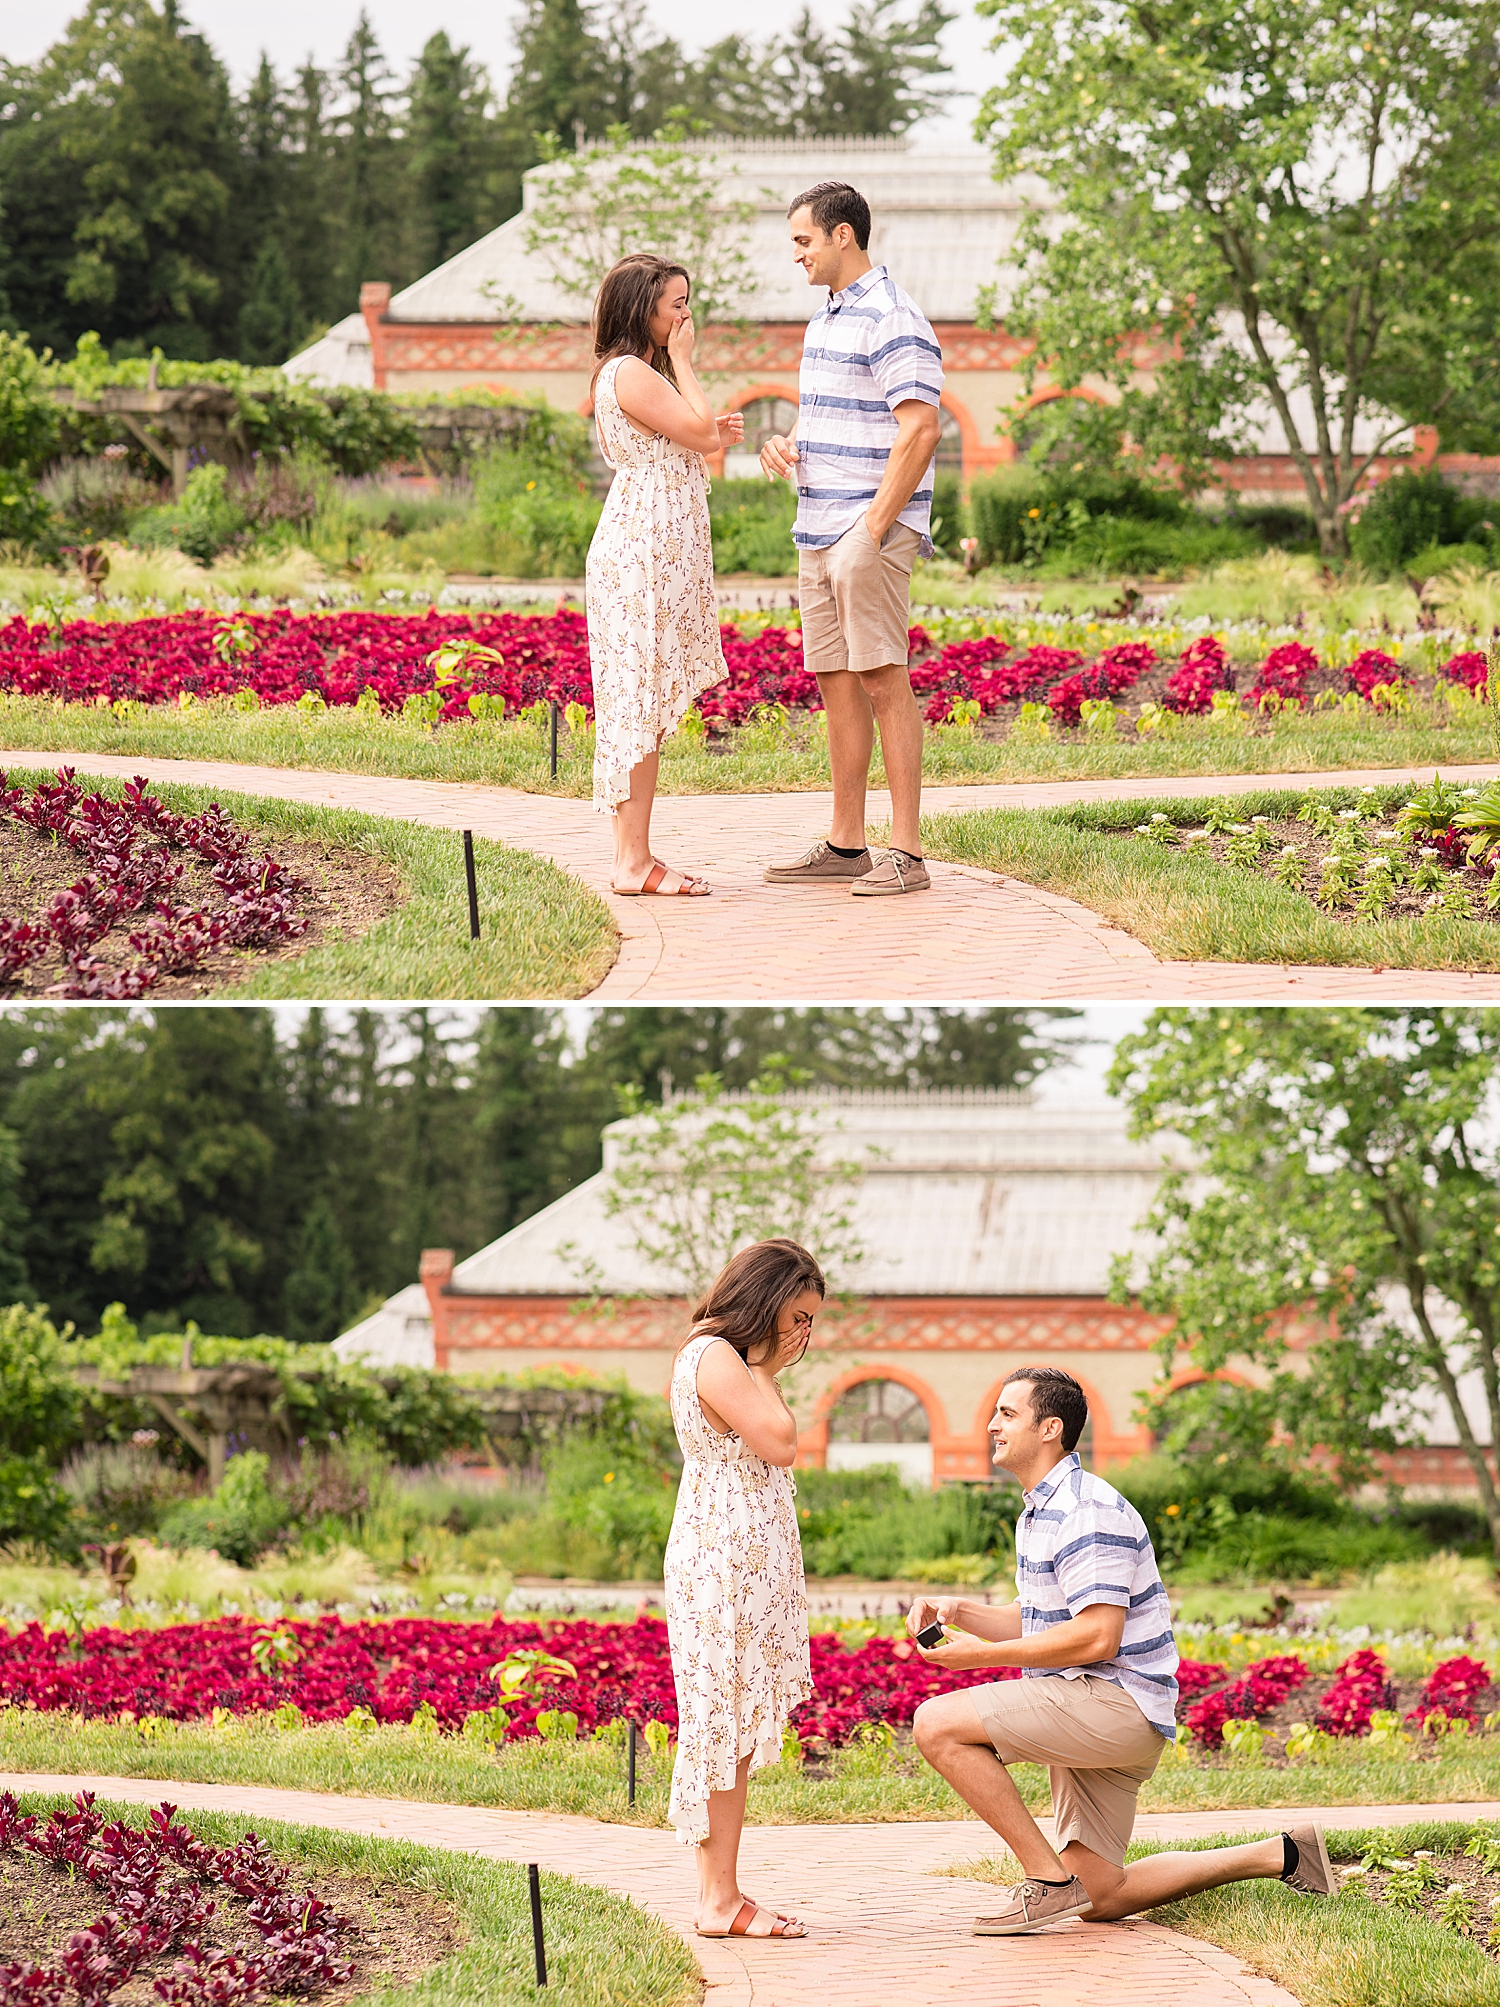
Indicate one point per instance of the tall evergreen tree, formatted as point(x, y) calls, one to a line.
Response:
point(367, 167)
point(451, 152)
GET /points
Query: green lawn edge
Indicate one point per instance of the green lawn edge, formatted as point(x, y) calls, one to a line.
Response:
point(761, 759)
point(602, 1950)
point(588, 1778)
point(1340, 1952)
point(1191, 907)
point(543, 932)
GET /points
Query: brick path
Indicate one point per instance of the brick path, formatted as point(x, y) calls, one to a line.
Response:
point(976, 936)
point(886, 1929)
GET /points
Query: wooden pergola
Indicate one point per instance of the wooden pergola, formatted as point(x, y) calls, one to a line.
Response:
point(206, 1405)
point(170, 424)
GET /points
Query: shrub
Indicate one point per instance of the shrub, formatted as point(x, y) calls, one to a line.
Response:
point(1404, 515)
point(206, 520)
point(28, 415)
point(39, 1402)
point(752, 527)
point(97, 497)
point(121, 1488)
point(240, 1520)
point(867, 1522)
point(548, 514)
point(25, 518)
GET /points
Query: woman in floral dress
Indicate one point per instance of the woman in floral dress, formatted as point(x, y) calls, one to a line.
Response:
point(736, 1600)
point(653, 619)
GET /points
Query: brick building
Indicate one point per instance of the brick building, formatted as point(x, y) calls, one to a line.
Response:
point(495, 316)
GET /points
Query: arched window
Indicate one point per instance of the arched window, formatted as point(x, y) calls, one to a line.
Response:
point(950, 446)
point(880, 1421)
point(764, 417)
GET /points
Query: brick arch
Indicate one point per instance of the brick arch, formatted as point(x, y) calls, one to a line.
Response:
point(812, 1445)
point(1111, 1445)
point(736, 402)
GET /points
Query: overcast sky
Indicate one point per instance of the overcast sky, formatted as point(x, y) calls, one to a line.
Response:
point(289, 29)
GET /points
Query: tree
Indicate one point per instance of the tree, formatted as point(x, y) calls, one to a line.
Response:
point(320, 1295)
point(1339, 1229)
point(1266, 208)
point(878, 75)
point(366, 162)
point(13, 1288)
point(39, 1405)
point(707, 1173)
point(449, 132)
point(664, 195)
point(557, 85)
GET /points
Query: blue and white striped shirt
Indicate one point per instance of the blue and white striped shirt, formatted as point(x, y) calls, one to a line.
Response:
point(1079, 1542)
point(869, 349)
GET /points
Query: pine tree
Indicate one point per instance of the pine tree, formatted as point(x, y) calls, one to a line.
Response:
point(320, 1291)
point(368, 167)
point(270, 321)
point(558, 85)
point(450, 145)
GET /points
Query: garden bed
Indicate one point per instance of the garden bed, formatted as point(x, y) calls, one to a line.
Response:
point(154, 1914)
point(117, 898)
point(1186, 903)
point(543, 933)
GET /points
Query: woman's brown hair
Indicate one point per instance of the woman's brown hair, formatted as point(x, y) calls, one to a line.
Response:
point(744, 1302)
point(623, 307)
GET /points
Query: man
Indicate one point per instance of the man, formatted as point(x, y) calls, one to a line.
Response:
point(1092, 1634)
point(861, 453)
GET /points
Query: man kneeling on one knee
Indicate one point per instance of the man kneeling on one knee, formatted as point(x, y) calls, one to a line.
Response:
point(1091, 1631)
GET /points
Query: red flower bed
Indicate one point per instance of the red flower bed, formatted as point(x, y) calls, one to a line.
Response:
point(1450, 1690)
point(1373, 666)
point(1285, 671)
point(1361, 1684)
point(1194, 1675)
point(126, 847)
point(1469, 668)
point(1259, 1688)
point(184, 1671)
point(153, 1880)
point(1116, 670)
point(1202, 669)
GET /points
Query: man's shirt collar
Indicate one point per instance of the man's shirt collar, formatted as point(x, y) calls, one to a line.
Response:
point(1043, 1489)
point(856, 289)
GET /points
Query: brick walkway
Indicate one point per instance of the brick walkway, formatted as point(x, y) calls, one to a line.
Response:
point(887, 1929)
point(976, 936)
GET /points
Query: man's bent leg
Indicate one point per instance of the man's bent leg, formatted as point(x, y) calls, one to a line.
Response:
point(851, 741)
point(952, 1738)
point(895, 711)
point(1160, 1878)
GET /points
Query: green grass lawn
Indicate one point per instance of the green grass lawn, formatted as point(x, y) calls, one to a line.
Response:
point(601, 1950)
point(542, 932)
point(1190, 908)
point(1345, 1951)
point(760, 758)
point(589, 1777)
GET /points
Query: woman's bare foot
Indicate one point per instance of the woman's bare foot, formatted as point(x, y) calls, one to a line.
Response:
point(660, 880)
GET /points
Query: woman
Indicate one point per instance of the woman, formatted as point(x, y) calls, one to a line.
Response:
point(736, 1601)
point(653, 619)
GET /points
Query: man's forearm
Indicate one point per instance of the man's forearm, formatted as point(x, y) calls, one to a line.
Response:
point(907, 463)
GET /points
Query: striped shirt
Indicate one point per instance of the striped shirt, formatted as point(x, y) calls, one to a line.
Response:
point(1079, 1542)
point(869, 349)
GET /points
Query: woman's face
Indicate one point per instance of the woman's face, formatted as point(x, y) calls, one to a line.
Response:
point(671, 307)
point(793, 1330)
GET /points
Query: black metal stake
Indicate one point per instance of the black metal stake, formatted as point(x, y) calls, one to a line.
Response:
point(554, 738)
point(536, 1923)
point(630, 1769)
point(473, 884)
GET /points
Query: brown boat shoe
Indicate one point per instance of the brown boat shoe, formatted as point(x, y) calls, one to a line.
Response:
point(1313, 1874)
point(817, 865)
point(1033, 1906)
point(898, 871)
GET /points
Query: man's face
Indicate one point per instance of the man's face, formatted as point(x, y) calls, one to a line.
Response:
point(1015, 1433)
point(819, 255)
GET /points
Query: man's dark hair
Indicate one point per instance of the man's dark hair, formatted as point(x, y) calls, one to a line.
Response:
point(1054, 1392)
point(835, 202)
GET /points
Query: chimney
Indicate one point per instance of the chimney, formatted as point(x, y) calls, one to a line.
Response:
point(374, 299)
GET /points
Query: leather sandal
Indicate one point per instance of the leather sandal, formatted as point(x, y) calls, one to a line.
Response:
point(687, 887)
point(784, 1926)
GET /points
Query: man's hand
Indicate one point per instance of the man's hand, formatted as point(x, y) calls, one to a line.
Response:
point(778, 458)
point(963, 1654)
point(928, 1610)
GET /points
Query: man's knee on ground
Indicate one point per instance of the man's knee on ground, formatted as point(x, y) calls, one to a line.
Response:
point(1103, 1880)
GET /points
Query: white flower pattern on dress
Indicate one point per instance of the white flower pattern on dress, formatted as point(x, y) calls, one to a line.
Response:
point(736, 1605)
point(653, 620)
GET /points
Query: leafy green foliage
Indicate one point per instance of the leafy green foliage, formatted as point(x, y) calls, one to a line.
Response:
point(548, 515)
point(1410, 512)
point(28, 416)
point(239, 1520)
point(1347, 1200)
point(1275, 203)
point(39, 1404)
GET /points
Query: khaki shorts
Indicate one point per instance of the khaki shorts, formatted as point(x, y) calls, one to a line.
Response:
point(856, 600)
point(1098, 1747)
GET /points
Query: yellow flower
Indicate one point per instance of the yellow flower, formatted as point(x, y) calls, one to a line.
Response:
point(1033, 512)
point(1173, 1510)
point(529, 486)
point(609, 1477)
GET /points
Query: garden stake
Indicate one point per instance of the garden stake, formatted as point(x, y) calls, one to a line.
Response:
point(630, 1769)
point(536, 1923)
point(473, 884)
point(554, 738)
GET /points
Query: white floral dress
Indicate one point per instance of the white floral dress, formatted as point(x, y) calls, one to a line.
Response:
point(736, 1605)
point(653, 619)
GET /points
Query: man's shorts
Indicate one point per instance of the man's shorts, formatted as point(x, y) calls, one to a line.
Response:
point(1098, 1747)
point(856, 600)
